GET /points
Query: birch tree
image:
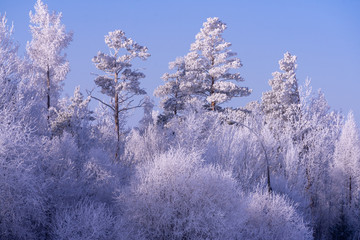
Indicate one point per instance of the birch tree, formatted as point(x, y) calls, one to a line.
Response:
point(347, 159)
point(49, 39)
point(9, 62)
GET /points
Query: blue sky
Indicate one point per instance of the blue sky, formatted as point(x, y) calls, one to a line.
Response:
point(325, 35)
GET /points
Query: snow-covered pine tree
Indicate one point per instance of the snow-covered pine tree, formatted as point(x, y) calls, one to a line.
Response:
point(49, 39)
point(173, 97)
point(280, 102)
point(210, 77)
point(120, 82)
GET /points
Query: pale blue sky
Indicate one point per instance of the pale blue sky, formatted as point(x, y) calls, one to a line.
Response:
point(325, 35)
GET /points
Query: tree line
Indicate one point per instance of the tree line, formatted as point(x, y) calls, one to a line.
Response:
point(284, 167)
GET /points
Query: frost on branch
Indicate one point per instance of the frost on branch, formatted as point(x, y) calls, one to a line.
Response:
point(45, 50)
point(9, 62)
point(273, 217)
point(172, 94)
point(204, 73)
point(283, 99)
point(85, 220)
point(127, 79)
point(214, 62)
point(176, 197)
point(73, 117)
point(120, 82)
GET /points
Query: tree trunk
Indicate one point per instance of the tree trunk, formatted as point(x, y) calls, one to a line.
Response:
point(116, 115)
point(267, 171)
point(212, 85)
point(350, 191)
point(176, 95)
point(48, 90)
point(212, 92)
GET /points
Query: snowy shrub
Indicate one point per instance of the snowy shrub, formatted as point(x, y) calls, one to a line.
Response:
point(237, 150)
point(177, 197)
point(144, 147)
point(272, 216)
point(85, 220)
point(21, 202)
point(193, 129)
point(100, 177)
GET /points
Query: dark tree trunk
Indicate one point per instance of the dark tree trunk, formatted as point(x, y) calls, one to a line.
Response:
point(212, 92)
point(116, 115)
point(48, 90)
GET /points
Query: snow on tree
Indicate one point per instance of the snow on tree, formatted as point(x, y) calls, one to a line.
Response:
point(282, 100)
point(49, 39)
point(346, 181)
point(22, 204)
point(238, 150)
point(148, 117)
point(85, 220)
point(173, 97)
point(211, 62)
point(73, 117)
point(314, 138)
point(9, 75)
point(347, 159)
point(273, 217)
point(176, 197)
point(145, 146)
point(120, 82)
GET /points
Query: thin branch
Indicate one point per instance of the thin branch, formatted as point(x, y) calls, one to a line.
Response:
point(129, 108)
point(108, 105)
point(260, 139)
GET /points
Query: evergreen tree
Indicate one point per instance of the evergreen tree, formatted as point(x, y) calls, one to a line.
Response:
point(120, 82)
point(209, 77)
point(281, 101)
point(173, 97)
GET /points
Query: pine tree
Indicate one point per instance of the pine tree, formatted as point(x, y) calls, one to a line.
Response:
point(210, 60)
point(173, 97)
point(280, 102)
point(120, 82)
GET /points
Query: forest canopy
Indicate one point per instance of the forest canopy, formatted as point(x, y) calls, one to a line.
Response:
point(286, 166)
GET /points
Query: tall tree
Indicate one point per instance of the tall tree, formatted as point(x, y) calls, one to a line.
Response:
point(120, 82)
point(171, 92)
point(347, 158)
point(279, 102)
point(49, 39)
point(9, 62)
point(210, 76)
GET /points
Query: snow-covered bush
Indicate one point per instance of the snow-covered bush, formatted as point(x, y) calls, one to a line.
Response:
point(21, 202)
point(144, 147)
point(272, 216)
point(177, 197)
point(241, 151)
point(85, 220)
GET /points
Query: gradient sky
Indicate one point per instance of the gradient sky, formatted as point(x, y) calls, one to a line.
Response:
point(325, 36)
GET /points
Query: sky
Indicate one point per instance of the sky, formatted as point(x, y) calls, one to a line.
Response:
point(324, 35)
